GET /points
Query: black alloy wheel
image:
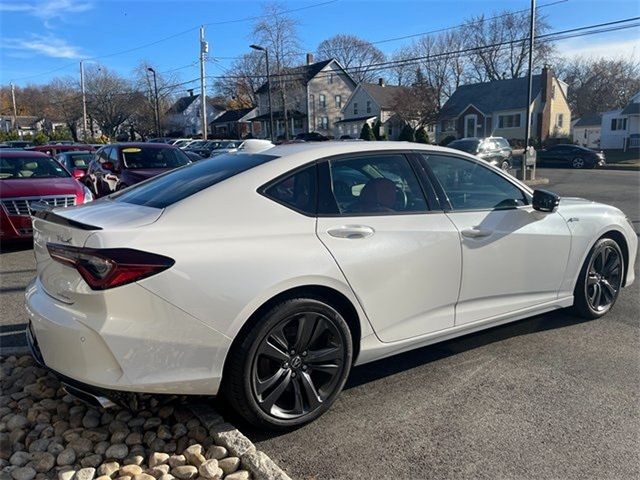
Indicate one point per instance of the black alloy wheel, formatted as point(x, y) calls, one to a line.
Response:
point(295, 363)
point(578, 162)
point(600, 279)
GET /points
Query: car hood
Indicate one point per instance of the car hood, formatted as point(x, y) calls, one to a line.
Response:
point(39, 187)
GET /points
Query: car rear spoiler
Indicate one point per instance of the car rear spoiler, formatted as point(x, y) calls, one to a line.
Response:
point(44, 211)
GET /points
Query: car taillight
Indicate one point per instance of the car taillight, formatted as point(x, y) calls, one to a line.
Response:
point(109, 267)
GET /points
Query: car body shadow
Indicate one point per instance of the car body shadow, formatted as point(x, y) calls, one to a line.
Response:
point(16, 246)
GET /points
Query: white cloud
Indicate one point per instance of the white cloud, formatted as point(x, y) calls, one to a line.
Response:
point(44, 45)
point(47, 10)
point(629, 47)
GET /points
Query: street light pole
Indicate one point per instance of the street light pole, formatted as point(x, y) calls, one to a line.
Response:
point(527, 127)
point(266, 54)
point(157, 110)
point(15, 109)
point(204, 49)
point(84, 102)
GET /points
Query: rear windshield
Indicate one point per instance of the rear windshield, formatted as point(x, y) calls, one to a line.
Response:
point(24, 168)
point(167, 189)
point(469, 146)
point(81, 160)
point(153, 157)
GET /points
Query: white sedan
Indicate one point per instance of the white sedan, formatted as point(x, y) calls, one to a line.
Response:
point(265, 277)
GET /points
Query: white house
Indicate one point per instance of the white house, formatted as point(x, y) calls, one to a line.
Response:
point(621, 128)
point(586, 130)
point(184, 117)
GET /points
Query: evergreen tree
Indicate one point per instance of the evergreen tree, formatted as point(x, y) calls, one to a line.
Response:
point(376, 129)
point(367, 133)
point(407, 134)
point(421, 136)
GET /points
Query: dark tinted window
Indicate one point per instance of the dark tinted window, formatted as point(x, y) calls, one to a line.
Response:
point(471, 186)
point(469, 146)
point(297, 191)
point(80, 160)
point(153, 157)
point(372, 184)
point(171, 187)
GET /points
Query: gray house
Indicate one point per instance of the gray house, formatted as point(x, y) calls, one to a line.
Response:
point(314, 93)
point(184, 117)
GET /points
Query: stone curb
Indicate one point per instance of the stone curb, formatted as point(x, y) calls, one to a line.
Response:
point(537, 181)
point(226, 435)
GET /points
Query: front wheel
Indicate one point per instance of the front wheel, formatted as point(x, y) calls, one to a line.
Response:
point(505, 166)
point(578, 162)
point(288, 370)
point(600, 280)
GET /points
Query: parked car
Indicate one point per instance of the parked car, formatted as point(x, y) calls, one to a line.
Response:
point(19, 143)
point(121, 165)
point(27, 178)
point(53, 150)
point(161, 140)
point(495, 150)
point(312, 137)
point(193, 156)
point(76, 161)
point(265, 277)
point(573, 156)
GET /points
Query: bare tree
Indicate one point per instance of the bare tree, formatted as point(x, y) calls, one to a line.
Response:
point(111, 99)
point(416, 105)
point(599, 84)
point(277, 31)
point(66, 102)
point(400, 72)
point(355, 54)
point(493, 61)
point(242, 80)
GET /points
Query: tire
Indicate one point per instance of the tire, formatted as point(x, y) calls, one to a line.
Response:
point(578, 163)
point(505, 165)
point(280, 390)
point(598, 275)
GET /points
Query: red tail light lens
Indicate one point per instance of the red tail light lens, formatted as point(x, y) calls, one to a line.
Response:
point(109, 267)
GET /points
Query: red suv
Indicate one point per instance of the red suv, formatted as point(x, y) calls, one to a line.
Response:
point(30, 177)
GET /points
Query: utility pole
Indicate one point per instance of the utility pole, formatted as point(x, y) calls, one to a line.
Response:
point(527, 127)
point(15, 109)
point(157, 109)
point(204, 49)
point(266, 54)
point(84, 102)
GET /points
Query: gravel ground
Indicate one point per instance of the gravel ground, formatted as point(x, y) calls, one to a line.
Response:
point(47, 434)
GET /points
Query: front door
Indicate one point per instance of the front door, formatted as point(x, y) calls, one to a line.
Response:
point(402, 260)
point(470, 125)
point(513, 257)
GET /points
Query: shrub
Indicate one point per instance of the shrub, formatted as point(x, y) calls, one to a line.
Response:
point(407, 134)
point(422, 136)
point(366, 133)
point(40, 139)
point(376, 129)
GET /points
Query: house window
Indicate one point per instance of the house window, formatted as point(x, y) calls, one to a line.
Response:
point(322, 100)
point(355, 108)
point(368, 107)
point(560, 120)
point(448, 125)
point(338, 100)
point(553, 92)
point(509, 121)
point(324, 123)
point(330, 78)
point(390, 130)
point(618, 124)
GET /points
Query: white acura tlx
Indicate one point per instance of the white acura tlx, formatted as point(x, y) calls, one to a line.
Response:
point(265, 277)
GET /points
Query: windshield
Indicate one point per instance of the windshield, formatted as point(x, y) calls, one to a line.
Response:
point(19, 168)
point(171, 187)
point(469, 146)
point(153, 157)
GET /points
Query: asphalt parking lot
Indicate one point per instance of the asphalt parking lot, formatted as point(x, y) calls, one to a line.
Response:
point(548, 397)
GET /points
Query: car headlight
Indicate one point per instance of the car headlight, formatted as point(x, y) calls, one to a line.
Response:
point(88, 196)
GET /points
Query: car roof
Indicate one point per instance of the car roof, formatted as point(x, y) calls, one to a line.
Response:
point(75, 152)
point(140, 145)
point(22, 154)
point(332, 147)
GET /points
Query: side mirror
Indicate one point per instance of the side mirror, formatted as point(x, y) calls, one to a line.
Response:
point(545, 201)
point(78, 173)
point(108, 166)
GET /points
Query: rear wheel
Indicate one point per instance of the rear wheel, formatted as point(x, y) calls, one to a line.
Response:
point(578, 162)
point(505, 165)
point(600, 280)
point(290, 367)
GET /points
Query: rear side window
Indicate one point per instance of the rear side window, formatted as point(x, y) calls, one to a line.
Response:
point(296, 191)
point(176, 185)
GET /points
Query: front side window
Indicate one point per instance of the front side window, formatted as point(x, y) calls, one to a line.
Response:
point(297, 191)
point(469, 185)
point(380, 184)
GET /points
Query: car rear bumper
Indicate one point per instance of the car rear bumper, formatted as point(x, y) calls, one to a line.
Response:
point(129, 340)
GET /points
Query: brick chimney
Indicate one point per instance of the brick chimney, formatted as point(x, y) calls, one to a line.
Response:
point(381, 81)
point(190, 92)
point(309, 58)
point(546, 81)
point(546, 96)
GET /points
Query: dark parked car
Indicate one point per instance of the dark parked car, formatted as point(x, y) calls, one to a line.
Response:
point(193, 155)
point(312, 137)
point(77, 162)
point(18, 143)
point(121, 165)
point(494, 150)
point(573, 156)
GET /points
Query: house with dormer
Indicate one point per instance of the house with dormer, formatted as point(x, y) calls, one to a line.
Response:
point(184, 117)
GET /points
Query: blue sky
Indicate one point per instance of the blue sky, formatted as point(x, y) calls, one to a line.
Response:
point(37, 37)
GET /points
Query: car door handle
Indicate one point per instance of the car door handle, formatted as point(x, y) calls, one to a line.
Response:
point(351, 231)
point(476, 232)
